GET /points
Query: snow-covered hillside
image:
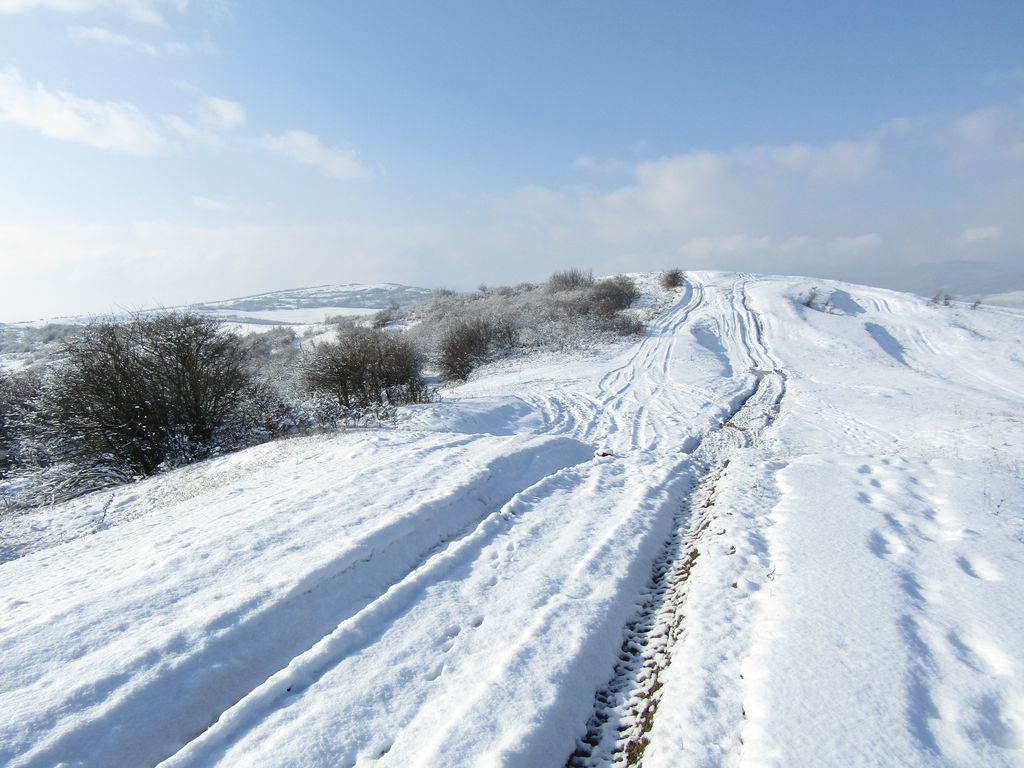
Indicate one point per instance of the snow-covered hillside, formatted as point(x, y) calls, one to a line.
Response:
point(294, 306)
point(302, 310)
point(765, 534)
point(301, 306)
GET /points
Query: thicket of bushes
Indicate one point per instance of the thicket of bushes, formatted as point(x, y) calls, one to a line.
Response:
point(458, 332)
point(121, 400)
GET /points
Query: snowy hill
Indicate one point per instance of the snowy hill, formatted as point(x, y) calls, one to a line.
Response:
point(311, 305)
point(294, 306)
point(774, 531)
point(301, 309)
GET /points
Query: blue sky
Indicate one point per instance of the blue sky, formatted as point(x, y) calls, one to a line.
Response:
point(163, 151)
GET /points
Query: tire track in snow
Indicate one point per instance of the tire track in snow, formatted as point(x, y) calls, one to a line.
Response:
point(253, 642)
point(365, 627)
point(624, 709)
point(624, 395)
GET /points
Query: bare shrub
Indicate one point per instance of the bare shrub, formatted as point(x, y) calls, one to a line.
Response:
point(153, 392)
point(365, 368)
point(613, 294)
point(459, 332)
point(623, 325)
point(570, 280)
point(464, 346)
point(672, 278)
point(386, 317)
point(506, 332)
point(16, 395)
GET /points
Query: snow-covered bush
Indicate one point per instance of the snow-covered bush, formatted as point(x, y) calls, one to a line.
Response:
point(153, 392)
point(570, 280)
point(464, 346)
point(613, 294)
point(366, 367)
point(18, 393)
point(672, 278)
point(459, 331)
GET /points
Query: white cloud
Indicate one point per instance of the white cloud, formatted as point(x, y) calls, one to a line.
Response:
point(221, 114)
point(795, 253)
point(899, 127)
point(104, 36)
point(178, 48)
point(63, 269)
point(112, 126)
point(842, 161)
point(979, 129)
point(587, 163)
point(213, 205)
point(973, 235)
point(142, 11)
point(856, 244)
point(835, 208)
point(213, 117)
point(302, 147)
point(994, 134)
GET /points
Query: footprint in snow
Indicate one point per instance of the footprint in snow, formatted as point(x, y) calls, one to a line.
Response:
point(434, 672)
point(449, 638)
point(977, 568)
point(996, 724)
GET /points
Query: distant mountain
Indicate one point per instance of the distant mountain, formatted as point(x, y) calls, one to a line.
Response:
point(350, 295)
point(293, 306)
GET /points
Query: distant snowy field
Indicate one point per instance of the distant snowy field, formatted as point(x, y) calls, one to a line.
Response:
point(303, 310)
point(297, 306)
point(764, 534)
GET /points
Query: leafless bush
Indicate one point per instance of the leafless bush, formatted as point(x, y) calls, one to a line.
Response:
point(385, 317)
point(623, 325)
point(672, 278)
point(153, 392)
point(570, 280)
point(459, 332)
point(613, 295)
point(365, 368)
point(15, 396)
point(464, 346)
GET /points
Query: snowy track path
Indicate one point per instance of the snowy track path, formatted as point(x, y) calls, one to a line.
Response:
point(625, 708)
point(454, 590)
point(562, 544)
point(563, 572)
point(200, 661)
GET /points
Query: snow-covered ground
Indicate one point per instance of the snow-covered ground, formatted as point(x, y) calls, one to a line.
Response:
point(765, 534)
